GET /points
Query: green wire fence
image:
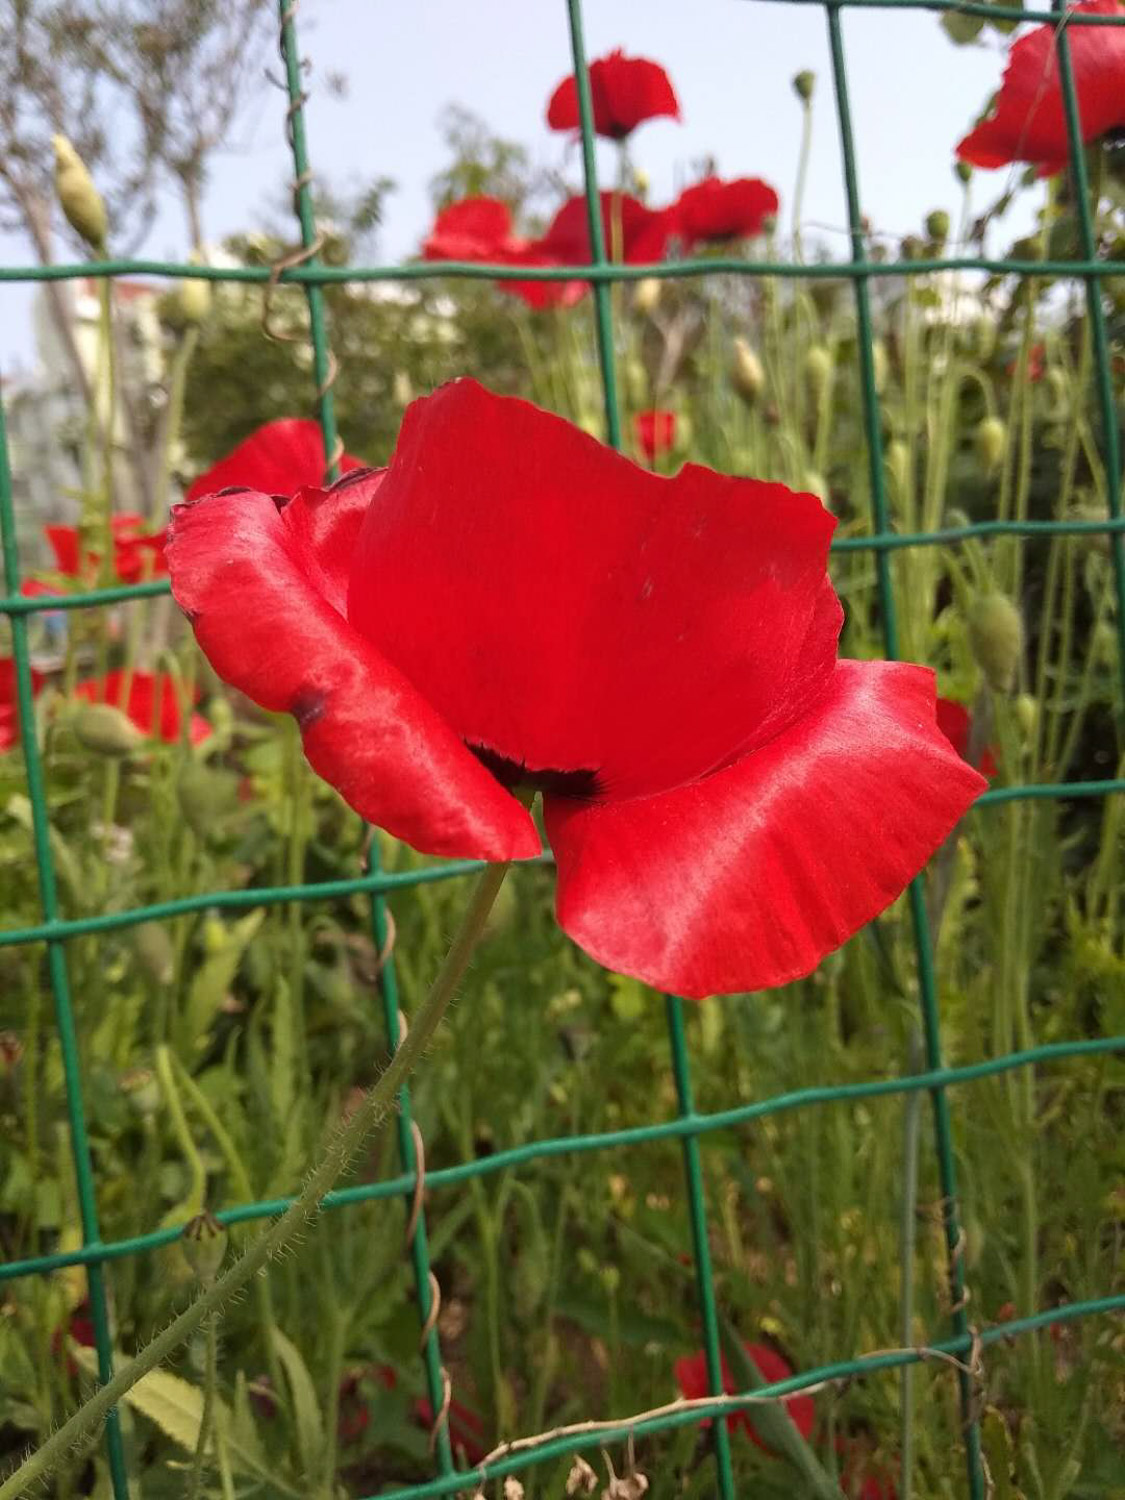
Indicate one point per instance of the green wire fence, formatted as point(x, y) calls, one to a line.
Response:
point(689, 1125)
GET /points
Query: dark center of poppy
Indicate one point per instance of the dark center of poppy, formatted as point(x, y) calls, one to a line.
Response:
point(513, 774)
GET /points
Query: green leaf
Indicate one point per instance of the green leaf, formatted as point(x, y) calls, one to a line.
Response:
point(306, 1408)
point(772, 1423)
point(213, 979)
point(174, 1405)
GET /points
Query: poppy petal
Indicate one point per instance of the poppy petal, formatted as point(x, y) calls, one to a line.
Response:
point(262, 588)
point(715, 210)
point(747, 879)
point(625, 92)
point(472, 229)
point(277, 459)
point(1027, 120)
point(669, 625)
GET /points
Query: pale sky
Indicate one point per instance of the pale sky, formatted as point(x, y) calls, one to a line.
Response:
point(913, 95)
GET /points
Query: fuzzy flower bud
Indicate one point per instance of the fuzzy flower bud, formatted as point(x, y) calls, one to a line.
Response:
point(960, 28)
point(818, 368)
point(106, 730)
point(962, 170)
point(204, 1244)
point(746, 373)
point(937, 225)
point(78, 198)
point(990, 440)
point(880, 364)
point(896, 456)
point(804, 84)
point(1027, 715)
point(646, 296)
point(996, 639)
point(814, 483)
point(194, 297)
point(154, 951)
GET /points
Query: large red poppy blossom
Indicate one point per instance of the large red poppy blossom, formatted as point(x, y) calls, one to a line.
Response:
point(153, 705)
point(276, 458)
point(633, 232)
point(1027, 118)
point(713, 210)
point(480, 229)
point(625, 91)
point(511, 603)
point(655, 432)
point(691, 1377)
point(9, 702)
point(956, 723)
point(136, 553)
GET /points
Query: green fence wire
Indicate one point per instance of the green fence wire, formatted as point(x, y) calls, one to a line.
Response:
point(689, 1125)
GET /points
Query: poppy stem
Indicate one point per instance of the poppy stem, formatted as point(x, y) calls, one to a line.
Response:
point(374, 1108)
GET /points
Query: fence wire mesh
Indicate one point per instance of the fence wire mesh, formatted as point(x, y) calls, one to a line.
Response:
point(56, 931)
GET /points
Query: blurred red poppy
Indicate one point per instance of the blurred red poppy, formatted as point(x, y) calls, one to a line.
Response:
point(860, 1477)
point(278, 458)
point(9, 705)
point(511, 604)
point(136, 553)
point(655, 432)
point(625, 91)
point(633, 232)
point(956, 723)
point(480, 229)
point(714, 210)
point(691, 1377)
point(466, 1428)
point(153, 705)
point(1026, 120)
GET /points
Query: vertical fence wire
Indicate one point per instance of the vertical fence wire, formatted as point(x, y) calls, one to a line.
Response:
point(58, 971)
point(324, 368)
point(923, 940)
point(693, 1168)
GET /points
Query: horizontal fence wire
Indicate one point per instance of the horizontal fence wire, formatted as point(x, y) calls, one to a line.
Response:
point(690, 1127)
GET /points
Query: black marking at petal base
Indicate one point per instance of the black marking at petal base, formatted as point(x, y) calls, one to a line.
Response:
point(235, 489)
point(345, 481)
point(307, 707)
point(583, 785)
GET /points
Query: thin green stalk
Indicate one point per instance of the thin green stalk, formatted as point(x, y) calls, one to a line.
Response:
point(341, 1150)
point(802, 177)
point(912, 1122)
point(183, 1135)
point(210, 1381)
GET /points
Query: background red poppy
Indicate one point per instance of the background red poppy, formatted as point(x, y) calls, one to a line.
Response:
point(153, 704)
point(655, 432)
point(278, 458)
point(625, 92)
point(691, 1377)
point(713, 210)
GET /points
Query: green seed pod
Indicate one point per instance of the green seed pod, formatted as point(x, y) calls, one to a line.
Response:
point(746, 373)
point(896, 456)
point(996, 639)
point(937, 225)
point(646, 296)
point(78, 198)
point(106, 730)
point(155, 951)
point(962, 170)
point(804, 84)
point(990, 439)
point(960, 28)
point(818, 368)
point(1027, 715)
point(204, 1244)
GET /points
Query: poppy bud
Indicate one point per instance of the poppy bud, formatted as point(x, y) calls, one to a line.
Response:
point(818, 368)
point(996, 639)
point(880, 364)
point(990, 440)
point(155, 951)
point(78, 198)
point(814, 483)
point(937, 225)
point(746, 373)
point(142, 1091)
point(962, 170)
point(960, 28)
point(106, 730)
point(896, 456)
point(206, 797)
point(1103, 644)
point(646, 296)
point(402, 389)
point(194, 297)
point(911, 248)
point(1027, 715)
point(204, 1244)
point(803, 85)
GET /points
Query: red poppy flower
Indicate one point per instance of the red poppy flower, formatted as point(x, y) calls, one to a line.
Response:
point(626, 91)
point(9, 703)
point(691, 1377)
point(956, 723)
point(633, 232)
point(860, 1478)
point(655, 432)
point(480, 229)
point(1027, 120)
point(466, 1428)
point(716, 210)
point(278, 458)
point(511, 603)
point(153, 705)
point(133, 548)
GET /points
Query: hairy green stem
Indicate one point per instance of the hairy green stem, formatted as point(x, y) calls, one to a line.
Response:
point(373, 1110)
point(210, 1380)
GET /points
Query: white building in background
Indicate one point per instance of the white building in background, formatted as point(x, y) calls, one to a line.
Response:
point(46, 415)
